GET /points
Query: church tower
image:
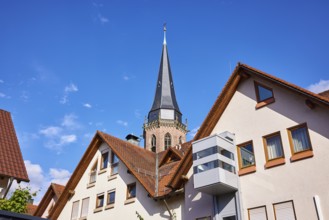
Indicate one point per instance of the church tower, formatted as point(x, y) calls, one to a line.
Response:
point(164, 127)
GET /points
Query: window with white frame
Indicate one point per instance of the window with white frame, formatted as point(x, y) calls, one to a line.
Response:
point(93, 172)
point(75, 210)
point(114, 164)
point(84, 207)
point(258, 213)
point(284, 211)
point(105, 160)
point(131, 191)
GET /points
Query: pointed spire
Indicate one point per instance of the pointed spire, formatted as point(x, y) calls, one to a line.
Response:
point(165, 97)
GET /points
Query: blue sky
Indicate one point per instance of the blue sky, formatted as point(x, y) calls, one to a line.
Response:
point(69, 68)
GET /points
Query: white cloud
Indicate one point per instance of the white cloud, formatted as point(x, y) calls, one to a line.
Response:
point(70, 122)
point(40, 180)
point(2, 95)
point(123, 123)
point(1, 81)
point(59, 176)
point(126, 78)
point(67, 90)
point(51, 131)
point(71, 88)
point(320, 86)
point(87, 105)
point(102, 19)
point(194, 131)
point(67, 139)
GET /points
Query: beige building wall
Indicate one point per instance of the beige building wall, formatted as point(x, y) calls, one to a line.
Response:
point(298, 181)
point(144, 205)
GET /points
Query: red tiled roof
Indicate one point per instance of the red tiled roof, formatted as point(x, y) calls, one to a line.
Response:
point(11, 159)
point(58, 189)
point(325, 94)
point(140, 162)
point(30, 209)
point(53, 190)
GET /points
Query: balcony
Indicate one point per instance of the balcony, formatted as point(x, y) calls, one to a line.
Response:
point(214, 164)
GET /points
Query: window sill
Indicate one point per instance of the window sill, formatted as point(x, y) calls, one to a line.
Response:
point(265, 103)
point(128, 201)
point(98, 209)
point(110, 206)
point(83, 218)
point(275, 162)
point(301, 155)
point(102, 171)
point(89, 185)
point(247, 170)
point(112, 177)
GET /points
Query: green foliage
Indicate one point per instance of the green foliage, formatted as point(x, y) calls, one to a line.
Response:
point(18, 201)
point(139, 216)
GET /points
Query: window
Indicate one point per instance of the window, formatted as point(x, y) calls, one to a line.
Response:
point(213, 164)
point(100, 200)
point(284, 211)
point(153, 143)
point(246, 158)
point(114, 164)
point(273, 150)
point(300, 143)
point(111, 197)
point(75, 210)
point(264, 95)
point(131, 191)
point(211, 151)
point(105, 160)
point(93, 173)
point(258, 213)
point(180, 140)
point(85, 207)
point(167, 141)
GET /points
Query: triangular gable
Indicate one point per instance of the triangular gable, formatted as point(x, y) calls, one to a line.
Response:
point(171, 155)
point(240, 73)
point(53, 190)
point(140, 163)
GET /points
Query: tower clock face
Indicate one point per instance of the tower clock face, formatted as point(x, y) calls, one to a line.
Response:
point(167, 114)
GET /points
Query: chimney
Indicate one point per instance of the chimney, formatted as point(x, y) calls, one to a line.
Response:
point(133, 139)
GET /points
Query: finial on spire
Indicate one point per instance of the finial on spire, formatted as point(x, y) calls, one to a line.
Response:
point(164, 33)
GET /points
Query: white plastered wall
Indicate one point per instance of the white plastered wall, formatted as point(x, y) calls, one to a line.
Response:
point(144, 205)
point(298, 181)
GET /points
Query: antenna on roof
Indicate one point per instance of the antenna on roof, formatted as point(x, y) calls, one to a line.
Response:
point(164, 33)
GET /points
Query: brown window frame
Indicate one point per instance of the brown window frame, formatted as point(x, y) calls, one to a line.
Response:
point(128, 196)
point(275, 161)
point(97, 200)
point(108, 202)
point(114, 165)
point(293, 206)
point(262, 103)
point(258, 208)
point(307, 153)
point(102, 160)
point(246, 169)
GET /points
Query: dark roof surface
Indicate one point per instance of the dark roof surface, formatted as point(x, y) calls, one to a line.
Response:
point(11, 159)
point(165, 97)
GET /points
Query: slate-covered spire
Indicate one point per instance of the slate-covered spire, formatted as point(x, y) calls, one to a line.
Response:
point(165, 97)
